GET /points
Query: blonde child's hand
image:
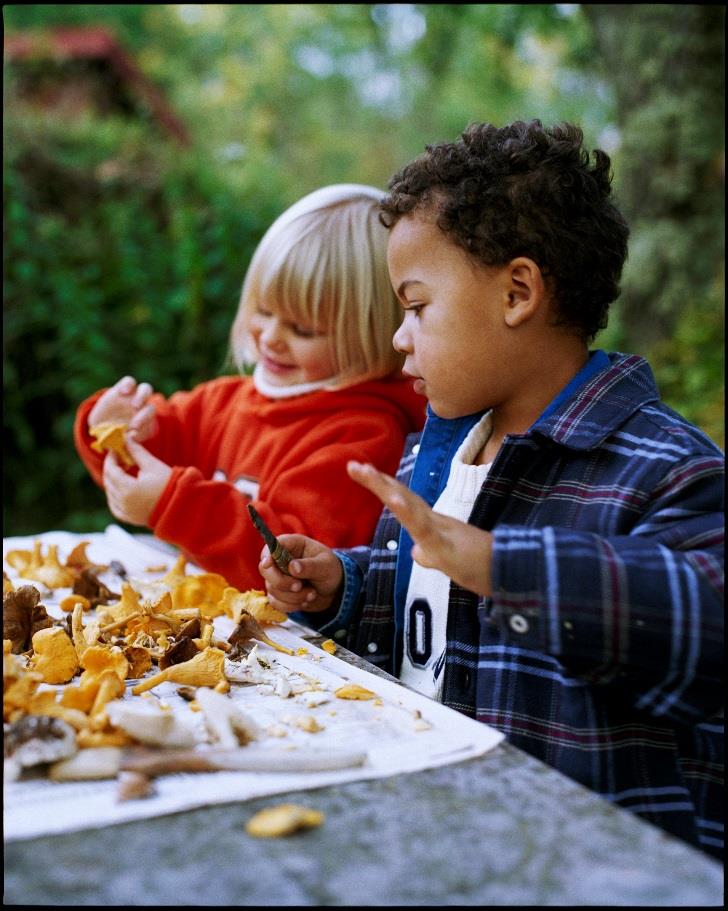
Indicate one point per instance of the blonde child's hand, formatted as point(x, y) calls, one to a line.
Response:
point(461, 551)
point(316, 576)
point(132, 499)
point(126, 402)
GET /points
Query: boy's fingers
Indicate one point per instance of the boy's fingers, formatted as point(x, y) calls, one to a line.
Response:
point(380, 484)
point(314, 568)
point(408, 507)
point(286, 604)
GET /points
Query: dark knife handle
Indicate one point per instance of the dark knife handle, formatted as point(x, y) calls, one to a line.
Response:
point(280, 556)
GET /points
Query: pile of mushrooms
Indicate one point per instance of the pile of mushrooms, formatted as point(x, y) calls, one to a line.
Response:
point(65, 707)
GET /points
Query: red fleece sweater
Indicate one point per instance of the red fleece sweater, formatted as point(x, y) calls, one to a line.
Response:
point(230, 445)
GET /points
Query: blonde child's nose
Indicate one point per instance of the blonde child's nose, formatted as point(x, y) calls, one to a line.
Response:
point(273, 334)
point(400, 341)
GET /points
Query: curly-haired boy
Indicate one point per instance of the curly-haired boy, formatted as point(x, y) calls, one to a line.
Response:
point(565, 583)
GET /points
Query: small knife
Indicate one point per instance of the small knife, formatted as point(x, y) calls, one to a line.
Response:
point(281, 557)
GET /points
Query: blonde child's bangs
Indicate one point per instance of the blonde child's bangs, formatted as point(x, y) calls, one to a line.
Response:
point(296, 285)
point(327, 270)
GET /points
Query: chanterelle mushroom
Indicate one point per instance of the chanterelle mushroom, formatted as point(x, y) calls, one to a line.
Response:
point(50, 572)
point(254, 601)
point(105, 670)
point(54, 655)
point(205, 669)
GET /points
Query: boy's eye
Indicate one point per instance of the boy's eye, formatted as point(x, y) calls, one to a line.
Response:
point(302, 331)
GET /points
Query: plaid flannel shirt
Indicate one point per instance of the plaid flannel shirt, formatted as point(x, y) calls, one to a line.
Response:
point(600, 651)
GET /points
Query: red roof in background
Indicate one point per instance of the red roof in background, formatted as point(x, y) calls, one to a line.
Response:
point(96, 44)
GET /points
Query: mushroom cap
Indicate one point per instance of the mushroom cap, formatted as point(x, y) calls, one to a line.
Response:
point(54, 655)
point(203, 590)
point(49, 572)
point(100, 658)
point(254, 601)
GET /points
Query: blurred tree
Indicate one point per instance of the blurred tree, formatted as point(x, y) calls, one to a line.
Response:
point(666, 64)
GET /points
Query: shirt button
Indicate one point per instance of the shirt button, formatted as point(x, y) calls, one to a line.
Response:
point(518, 623)
point(391, 545)
point(372, 647)
point(415, 449)
point(339, 634)
point(466, 679)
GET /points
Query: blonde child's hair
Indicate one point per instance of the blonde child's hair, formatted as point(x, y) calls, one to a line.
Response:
point(323, 263)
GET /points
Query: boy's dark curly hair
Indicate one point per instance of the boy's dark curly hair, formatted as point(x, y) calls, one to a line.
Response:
point(525, 190)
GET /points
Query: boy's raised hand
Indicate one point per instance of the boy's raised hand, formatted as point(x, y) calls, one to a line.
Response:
point(132, 498)
point(126, 402)
point(316, 575)
point(461, 551)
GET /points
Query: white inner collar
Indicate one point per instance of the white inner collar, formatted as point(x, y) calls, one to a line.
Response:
point(270, 391)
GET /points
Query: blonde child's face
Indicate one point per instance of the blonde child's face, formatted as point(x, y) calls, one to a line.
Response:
point(453, 333)
point(290, 352)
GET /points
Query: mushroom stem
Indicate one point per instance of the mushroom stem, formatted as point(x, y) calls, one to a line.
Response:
point(110, 627)
point(150, 682)
point(156, 762)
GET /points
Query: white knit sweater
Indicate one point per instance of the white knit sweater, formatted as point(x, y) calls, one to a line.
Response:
point(425, 617)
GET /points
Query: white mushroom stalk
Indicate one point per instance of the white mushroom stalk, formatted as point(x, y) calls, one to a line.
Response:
point(228, 725)
point(107, 762)
point(149, 723)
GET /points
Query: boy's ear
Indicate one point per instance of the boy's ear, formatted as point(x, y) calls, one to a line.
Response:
point(526, 292)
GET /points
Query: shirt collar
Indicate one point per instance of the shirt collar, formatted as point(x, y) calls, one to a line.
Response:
point(602, 396)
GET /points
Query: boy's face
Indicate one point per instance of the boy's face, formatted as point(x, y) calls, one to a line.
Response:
point(453, 332)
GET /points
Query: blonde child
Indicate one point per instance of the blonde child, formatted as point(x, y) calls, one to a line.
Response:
point(316, 316)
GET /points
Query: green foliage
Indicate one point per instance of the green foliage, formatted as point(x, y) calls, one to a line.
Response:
point(690, 366)
point(113, 265)
point(666, 64)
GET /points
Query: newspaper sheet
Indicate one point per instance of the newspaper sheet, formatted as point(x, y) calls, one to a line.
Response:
point(400, 730)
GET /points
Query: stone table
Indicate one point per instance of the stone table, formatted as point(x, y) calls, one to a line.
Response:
point(503, 829)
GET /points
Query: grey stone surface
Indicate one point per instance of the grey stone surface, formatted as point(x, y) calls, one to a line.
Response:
point(503, 829)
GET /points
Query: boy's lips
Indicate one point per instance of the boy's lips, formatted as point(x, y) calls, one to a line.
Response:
point(419, 383)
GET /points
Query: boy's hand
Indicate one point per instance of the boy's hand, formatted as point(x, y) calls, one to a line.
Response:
point(126, 402)
point(315, 580)
point(132, 499)
point(461, 551)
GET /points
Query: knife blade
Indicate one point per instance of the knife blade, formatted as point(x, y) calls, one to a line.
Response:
point(280, 556)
